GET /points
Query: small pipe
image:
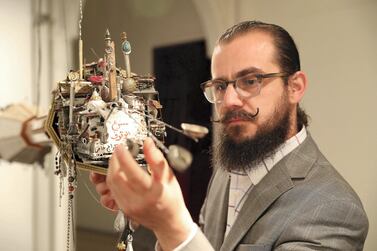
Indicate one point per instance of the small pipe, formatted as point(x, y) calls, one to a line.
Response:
point(81, 59)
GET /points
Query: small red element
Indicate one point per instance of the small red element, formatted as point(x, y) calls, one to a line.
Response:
point(96, 79)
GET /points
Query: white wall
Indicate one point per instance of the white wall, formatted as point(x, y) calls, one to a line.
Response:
point(16, 193)
point(15, 44)
point(30, 216)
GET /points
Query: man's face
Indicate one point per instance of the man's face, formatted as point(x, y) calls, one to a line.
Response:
point(253, 52)
point(246, 141)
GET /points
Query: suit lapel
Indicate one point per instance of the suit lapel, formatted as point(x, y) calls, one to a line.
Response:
point(279, 180)
point(217, 206)
point(271, 187)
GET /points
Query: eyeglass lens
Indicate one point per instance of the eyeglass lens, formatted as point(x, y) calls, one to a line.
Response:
point(247, 86)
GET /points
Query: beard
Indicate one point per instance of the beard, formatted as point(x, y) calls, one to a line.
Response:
point(235, 154)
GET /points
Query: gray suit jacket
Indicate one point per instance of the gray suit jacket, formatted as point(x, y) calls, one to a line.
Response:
point(301, 204)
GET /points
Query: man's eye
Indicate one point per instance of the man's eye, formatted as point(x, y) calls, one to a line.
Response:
point(248, 81)
point(219, 86)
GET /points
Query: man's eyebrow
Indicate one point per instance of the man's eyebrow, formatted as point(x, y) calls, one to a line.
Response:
point(247, 71)
point(242, 73)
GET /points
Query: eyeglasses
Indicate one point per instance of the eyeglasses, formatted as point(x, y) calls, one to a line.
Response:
point(246, 86)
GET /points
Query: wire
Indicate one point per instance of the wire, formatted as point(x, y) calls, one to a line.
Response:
point(39, 56)
point(65, 29)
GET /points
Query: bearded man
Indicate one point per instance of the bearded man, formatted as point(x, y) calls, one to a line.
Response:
point(272, 189)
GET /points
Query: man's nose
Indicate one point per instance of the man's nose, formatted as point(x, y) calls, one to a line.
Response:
point(231, 97)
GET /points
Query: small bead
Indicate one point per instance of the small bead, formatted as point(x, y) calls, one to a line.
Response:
point(71, 188)
point(70, 196)
point(71, 178)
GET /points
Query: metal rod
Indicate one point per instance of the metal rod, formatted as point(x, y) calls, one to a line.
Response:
point(71, 100)
point(81, 59)
point(156, 140)
point(159, 143)
point(165, 124)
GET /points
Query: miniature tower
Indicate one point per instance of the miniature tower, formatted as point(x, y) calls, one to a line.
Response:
point(110, 66)
point(129, 85)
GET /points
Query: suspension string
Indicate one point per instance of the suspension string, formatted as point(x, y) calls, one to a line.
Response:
point(80, 44)
point(80, 21)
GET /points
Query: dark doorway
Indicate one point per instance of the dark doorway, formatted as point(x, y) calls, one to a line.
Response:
point(179, 69)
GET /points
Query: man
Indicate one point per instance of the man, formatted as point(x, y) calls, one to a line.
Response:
point(272, 189)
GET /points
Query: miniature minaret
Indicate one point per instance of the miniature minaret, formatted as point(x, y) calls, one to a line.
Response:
point(126, 49)
point(111, 67)
point(129, 85)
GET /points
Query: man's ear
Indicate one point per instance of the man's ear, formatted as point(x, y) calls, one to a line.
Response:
point(297, 84)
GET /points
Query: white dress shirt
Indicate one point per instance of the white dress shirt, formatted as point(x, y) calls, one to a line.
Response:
point(242, 182)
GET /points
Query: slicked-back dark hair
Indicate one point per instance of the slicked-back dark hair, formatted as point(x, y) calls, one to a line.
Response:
point(287, 56)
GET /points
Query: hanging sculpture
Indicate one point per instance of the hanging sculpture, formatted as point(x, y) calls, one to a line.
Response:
point(101, 106)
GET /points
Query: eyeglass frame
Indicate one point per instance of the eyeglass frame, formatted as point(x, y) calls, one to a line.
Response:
point(259, 78)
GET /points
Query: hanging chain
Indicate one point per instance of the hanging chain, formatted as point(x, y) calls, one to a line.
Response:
point(64, 169)
point(69, 226)
point(125, 238)
point(72, 185)
point(58, 171)
point(65, 165)
point(72, 173)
